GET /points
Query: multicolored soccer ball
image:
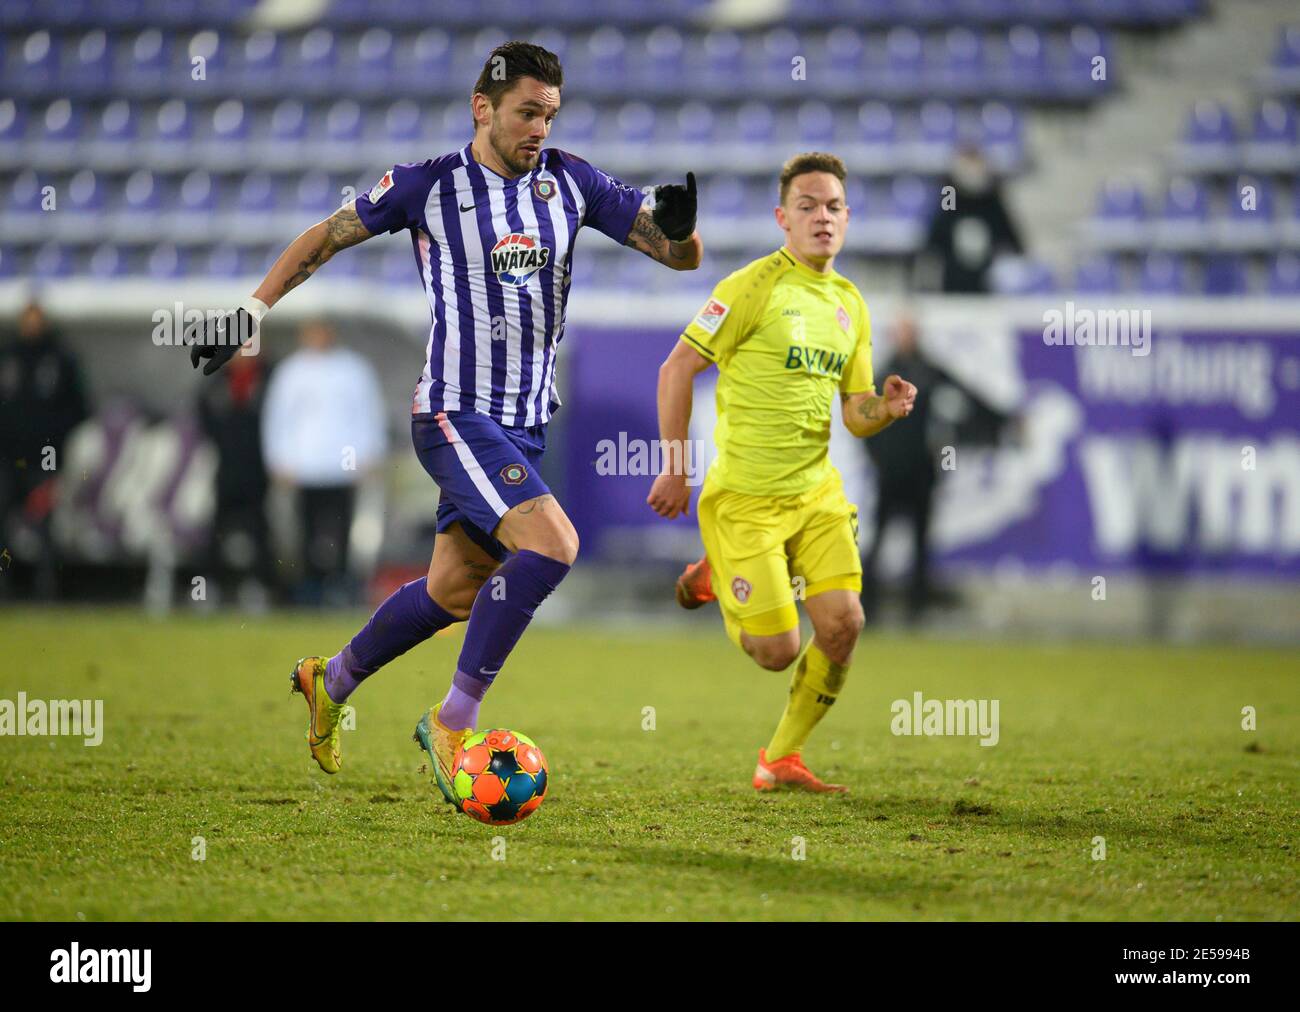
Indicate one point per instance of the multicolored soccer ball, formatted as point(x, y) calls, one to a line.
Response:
point(499, 777)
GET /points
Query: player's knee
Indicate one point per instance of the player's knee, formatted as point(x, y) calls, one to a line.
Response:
point(838, 634)
point(455, 601)
point(772, 654)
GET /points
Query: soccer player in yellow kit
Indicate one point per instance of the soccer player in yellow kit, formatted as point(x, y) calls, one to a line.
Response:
point(786, 332)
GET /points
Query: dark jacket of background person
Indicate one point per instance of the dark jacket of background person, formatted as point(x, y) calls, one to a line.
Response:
point(968, 234)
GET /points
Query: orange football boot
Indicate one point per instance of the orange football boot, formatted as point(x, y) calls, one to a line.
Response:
point(694, 586)
point(789, 771)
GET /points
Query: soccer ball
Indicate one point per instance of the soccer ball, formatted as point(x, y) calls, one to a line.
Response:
point(499, 777)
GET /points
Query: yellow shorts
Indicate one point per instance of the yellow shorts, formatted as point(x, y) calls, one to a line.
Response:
point(767, 552)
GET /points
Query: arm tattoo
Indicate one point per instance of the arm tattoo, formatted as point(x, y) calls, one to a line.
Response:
point(342, 229)
point(873, 409)
point(648, 237)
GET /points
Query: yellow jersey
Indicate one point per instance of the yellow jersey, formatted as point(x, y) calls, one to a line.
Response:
point(785, 339)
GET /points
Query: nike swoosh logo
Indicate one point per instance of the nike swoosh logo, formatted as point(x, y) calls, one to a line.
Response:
point(464, 208)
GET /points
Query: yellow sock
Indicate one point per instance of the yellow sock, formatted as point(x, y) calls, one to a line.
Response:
point(816, 683)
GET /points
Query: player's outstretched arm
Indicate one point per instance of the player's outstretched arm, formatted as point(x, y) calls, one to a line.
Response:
point(867, 413)
point(667, 233)
point(217, 339)
point(670, 495)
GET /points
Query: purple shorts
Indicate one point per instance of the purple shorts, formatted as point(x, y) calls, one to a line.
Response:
point(483, 469)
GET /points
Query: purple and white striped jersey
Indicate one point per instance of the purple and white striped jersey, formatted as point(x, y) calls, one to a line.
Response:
point(494, 256)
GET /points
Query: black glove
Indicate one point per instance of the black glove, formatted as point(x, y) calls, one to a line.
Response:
point(674, 211)
point(217, 338)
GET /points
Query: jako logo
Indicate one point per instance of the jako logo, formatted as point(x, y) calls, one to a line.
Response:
point(102, 966)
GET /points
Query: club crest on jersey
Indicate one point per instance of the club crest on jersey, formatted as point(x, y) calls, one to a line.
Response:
point(517, 257)
point(544, 188)
point(382, 187)
point(741, 588)
point(712, 315)
point(514, 474)
point(842, 315)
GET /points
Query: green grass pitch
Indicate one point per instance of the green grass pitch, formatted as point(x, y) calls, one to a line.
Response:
point(1140, 745)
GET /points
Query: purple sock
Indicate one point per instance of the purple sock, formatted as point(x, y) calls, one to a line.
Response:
point(409, 616)
point(501, 612)
point(460, 708)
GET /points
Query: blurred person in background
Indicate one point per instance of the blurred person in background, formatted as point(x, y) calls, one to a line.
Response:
point(42, 399)
point(230, 416)
point(906, 459)
point(321, 452)
point(970, 227)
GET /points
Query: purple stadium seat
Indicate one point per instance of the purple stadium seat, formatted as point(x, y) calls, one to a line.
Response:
point(904, 61)
point(223, 261)
point(959, 62)
point(166, 261)
point(720, 64)
point(574, 127)
point(845, 52)
point(635, 124)
point(1084, 45)
point(142, 195)
point(1273, 139)
point(85, 194)
point(1026, 68)
point(603, 61)
point(146, 62)
point(257, 195)
point(261, 70)
point(1284, 275)
point(910, 197)
point(288, 125)
point(13, 127)
point(755, 123)
point(372, 71)
point(1013, 275)
point(1162, 274)
point(343, 123)
point(816, 123)
point(229, 131)
point(1210, 138)
point(877, 124)
point(61, 131)
point(107, 261)
point(1119, 220)
point(1184, 218)
point(118, 125)
point(24, 216)
point(1287, 54)
point(213, 49)
point(1098, 275)
point(52, 260)
point(428, 60)
point(198, 195)
point(696, 124)
point(315, 64)
point(775, 59)
point(725, 197)
point(937, 136)
point(404, 123)
point(87, 70)
point(37, 70)
point(663, 62)
point(8, 262)
point(316, 195)
point(999, 135)
point(1224, 275)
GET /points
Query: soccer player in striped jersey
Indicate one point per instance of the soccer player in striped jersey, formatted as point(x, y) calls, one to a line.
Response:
point(492, 228)
point(786, 333)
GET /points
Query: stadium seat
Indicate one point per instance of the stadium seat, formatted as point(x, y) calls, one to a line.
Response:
point(1284, 275)
point(1224, 275)
point(1162, 274)
point(145, 66)
point(87, 69)
point(1249, 222)
point(1209, 139)
point(1272, 145)
point(1184, 219)
point(1099, 275)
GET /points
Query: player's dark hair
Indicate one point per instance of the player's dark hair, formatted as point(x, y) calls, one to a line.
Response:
point(811, 161)
point(512, 60)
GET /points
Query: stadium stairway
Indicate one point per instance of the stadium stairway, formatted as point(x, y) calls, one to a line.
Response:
point(1128, 136)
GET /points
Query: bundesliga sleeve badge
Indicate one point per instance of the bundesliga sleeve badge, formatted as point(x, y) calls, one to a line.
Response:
point(381, 187)
point(711, 316)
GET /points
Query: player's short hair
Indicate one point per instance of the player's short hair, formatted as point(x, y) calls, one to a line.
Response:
point(811, 161)
point(512, 60)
